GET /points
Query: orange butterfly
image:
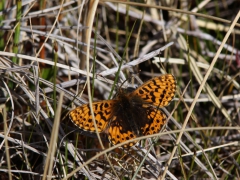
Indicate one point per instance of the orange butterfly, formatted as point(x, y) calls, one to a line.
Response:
point(129, 115)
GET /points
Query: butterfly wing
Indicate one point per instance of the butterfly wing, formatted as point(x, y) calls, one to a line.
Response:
point(158, 91)
point(81, 116)
point(118, 134)
point(155, 121)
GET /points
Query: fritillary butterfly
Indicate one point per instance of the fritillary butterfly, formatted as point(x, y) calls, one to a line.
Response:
point(130, 114)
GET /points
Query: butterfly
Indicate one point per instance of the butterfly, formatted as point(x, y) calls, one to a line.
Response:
point(130, 114)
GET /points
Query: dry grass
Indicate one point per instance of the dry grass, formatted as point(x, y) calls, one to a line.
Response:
point(69, 52)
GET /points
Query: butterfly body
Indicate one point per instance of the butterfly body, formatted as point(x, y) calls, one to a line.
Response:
point(130, 114)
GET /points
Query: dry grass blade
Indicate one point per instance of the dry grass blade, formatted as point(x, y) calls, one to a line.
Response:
point(52, 146)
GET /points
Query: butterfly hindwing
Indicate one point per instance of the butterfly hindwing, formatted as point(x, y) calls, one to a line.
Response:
point(155, 121)
point(117, 134)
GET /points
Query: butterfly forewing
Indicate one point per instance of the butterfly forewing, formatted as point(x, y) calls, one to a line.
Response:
point(158, 91)
point(81, 116)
